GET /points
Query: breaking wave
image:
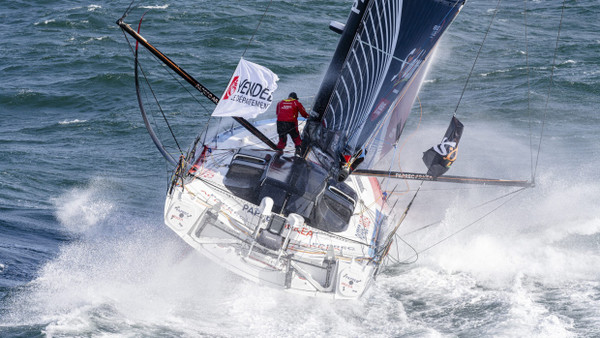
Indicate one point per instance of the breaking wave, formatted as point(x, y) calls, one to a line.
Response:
point(75, 121)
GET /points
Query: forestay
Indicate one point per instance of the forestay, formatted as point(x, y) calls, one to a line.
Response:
point(381, 75)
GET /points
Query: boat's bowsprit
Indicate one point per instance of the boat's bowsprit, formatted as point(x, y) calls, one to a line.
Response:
point(192, 81)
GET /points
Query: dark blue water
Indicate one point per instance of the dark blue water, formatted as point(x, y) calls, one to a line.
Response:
point(83, 251)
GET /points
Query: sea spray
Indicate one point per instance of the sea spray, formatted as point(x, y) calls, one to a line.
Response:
point(80, 209)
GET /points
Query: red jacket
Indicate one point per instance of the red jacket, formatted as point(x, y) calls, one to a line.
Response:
point(287, 110)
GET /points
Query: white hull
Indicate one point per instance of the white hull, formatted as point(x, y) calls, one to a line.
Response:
point(240, 235)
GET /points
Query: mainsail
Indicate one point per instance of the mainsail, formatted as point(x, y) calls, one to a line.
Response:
point(380, 77)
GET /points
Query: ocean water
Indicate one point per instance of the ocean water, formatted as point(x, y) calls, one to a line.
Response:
point(83, 251)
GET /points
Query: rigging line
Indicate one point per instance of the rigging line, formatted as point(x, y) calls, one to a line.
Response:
point(477, 57)
point(127, 10)
point(409, 137)
point(152, 91)
point(160, 108)
point(205, 131)
point(416, 255)
point(472, 208)
point(171, 73)
point(390, 237)
point(562, 13)
point(399, 150)
point(466, 226)
point(150, 110)
point(138, 64)
point(219, 120)
point(256, 29)
point(146, 79)
point(396, 260)
point(151, 115)
point(528, 89)
point(391, 55)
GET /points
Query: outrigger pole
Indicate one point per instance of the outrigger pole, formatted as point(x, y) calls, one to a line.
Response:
point(445, 178)
point(245, 123)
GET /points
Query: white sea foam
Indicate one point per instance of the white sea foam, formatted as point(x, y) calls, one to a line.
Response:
point(528, 317)
point(92, 8)
point(145, 277)
point(45, 22)
point(81, 209)
point(156, 6)
point(147, 281)
point(544, 239)
point(25, 92)
point(483, 281)
point(99, 38)
point(535, 233)
point(498, 71)
point(72, 121)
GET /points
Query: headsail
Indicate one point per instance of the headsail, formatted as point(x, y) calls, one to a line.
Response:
point(381, 76)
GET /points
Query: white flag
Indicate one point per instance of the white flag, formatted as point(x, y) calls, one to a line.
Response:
point(249, 93)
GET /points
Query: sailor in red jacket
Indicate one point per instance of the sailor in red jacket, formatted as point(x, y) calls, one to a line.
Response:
point(287, 121)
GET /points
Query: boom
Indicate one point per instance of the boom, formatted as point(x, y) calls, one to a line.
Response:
point(445, 178)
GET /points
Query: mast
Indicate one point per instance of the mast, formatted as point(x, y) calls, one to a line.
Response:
point(333, 72)
point(187, 77)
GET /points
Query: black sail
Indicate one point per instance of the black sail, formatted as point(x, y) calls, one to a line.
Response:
point(380, 76)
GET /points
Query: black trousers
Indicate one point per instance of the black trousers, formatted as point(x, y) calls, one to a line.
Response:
point(288, 128)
